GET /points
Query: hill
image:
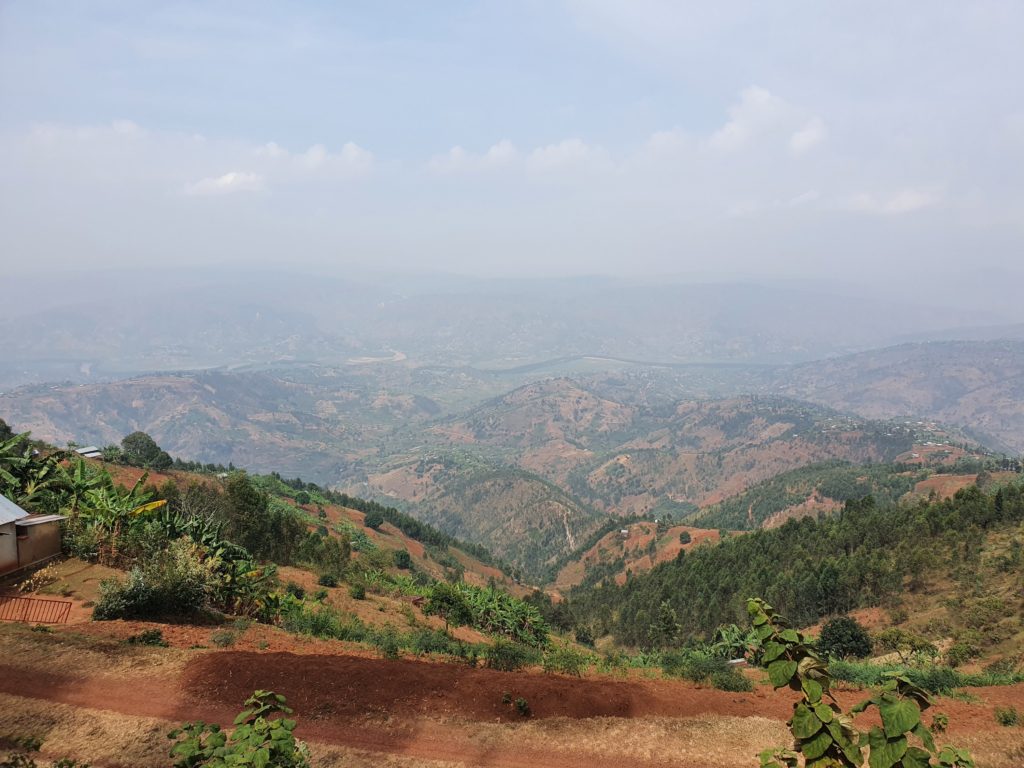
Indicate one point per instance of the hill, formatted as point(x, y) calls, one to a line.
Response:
point(549, 461)
point(963, 550)
point(975, 385)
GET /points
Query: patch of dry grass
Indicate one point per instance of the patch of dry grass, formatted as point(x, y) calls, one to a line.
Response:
point(67, 652)
point(717, 741)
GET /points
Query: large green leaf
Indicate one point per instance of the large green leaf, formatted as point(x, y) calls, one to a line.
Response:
point(816, 747)
point(772, 651)
point(781, 672)
point(899, 716)
point(805, 723)
point(885, 752)
point(917, 758)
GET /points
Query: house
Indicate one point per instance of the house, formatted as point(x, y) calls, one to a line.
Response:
point(89, 452)
point(25, 539)
point(10, 513)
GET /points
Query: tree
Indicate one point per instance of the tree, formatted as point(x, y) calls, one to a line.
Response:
point(448, 602)
point(6, 433)
point(844, 637)
point(685, 538)
point(141, 450)
point(302, 497)
point(665, 629)
point(403, 559)
point(373, 519)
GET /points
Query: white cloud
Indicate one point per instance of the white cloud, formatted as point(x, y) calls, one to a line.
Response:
point(233, 181)
point(567, 154)
point(906, 200)
point(757, 112)
point(350, 160)
point(810, 135)
point(458, 160)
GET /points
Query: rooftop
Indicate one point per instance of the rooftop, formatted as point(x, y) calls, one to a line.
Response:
point(9, 511)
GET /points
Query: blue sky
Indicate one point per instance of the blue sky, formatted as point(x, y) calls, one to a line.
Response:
point(519, 137)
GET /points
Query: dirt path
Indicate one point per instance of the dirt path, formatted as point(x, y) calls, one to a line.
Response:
point(431, 711)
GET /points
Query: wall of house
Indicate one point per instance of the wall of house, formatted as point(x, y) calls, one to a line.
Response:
point(8, 548)
point(38, 542)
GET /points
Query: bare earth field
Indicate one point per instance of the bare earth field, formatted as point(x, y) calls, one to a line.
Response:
point(98, 699)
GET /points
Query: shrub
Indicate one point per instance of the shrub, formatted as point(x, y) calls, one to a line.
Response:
point(223, 638)
point(295, 590)
point(843, 638)
point(327, 580)
point(174, 583)
point(357, 591)
point(263, 737)
point(522, 707)
point(684, 537)
point(566, 660)
point(960, 653)
point(387, 642)
point(584, 637)
point(435, 641)
point(506, 656)
point(324, 622)
point(696, 666)
point(731, 680)
point(403, 559)
point(373, 519)
point(1007, 716)
point(148, 637)
point(320, 595)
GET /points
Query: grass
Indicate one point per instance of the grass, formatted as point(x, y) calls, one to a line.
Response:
point(933, 678)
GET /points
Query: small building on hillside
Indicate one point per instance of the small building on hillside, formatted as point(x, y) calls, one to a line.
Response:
point(10, 514)
point(25, 539)
point(89, 452)
point(39, 539)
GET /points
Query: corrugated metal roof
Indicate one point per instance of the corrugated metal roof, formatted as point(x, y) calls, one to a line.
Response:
point(9, 511)
point(38, 519)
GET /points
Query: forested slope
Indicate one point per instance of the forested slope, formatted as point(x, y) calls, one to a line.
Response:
point(865, 555)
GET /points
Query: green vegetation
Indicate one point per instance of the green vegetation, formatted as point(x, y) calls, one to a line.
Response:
point(1007, 716)
point(838, 481)
point(843, 638)
point(862, 556)
point(263, 738)
point(489, 610)
point(825, 737)
point(930, 677)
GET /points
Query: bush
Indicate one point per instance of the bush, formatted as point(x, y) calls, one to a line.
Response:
point(696, 666)
point(174, 583)
point(327, 580)
point(324, 622)
point(584, 637)
point(373, 519)
point(1007, 716)
point(403, 559)
point(506, 656)
point(566, 660)
point(960, 653)
point(843, 638)
point(731, 680)
point(148, 637)
point(295, 590)
point(223, 638)
point(387, 642)
point(357, 591)
point(522, 707)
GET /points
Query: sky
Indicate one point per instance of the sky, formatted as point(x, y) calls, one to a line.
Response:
point(852, 139)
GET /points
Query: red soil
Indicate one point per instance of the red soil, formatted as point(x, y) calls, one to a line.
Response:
point(380, 705)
